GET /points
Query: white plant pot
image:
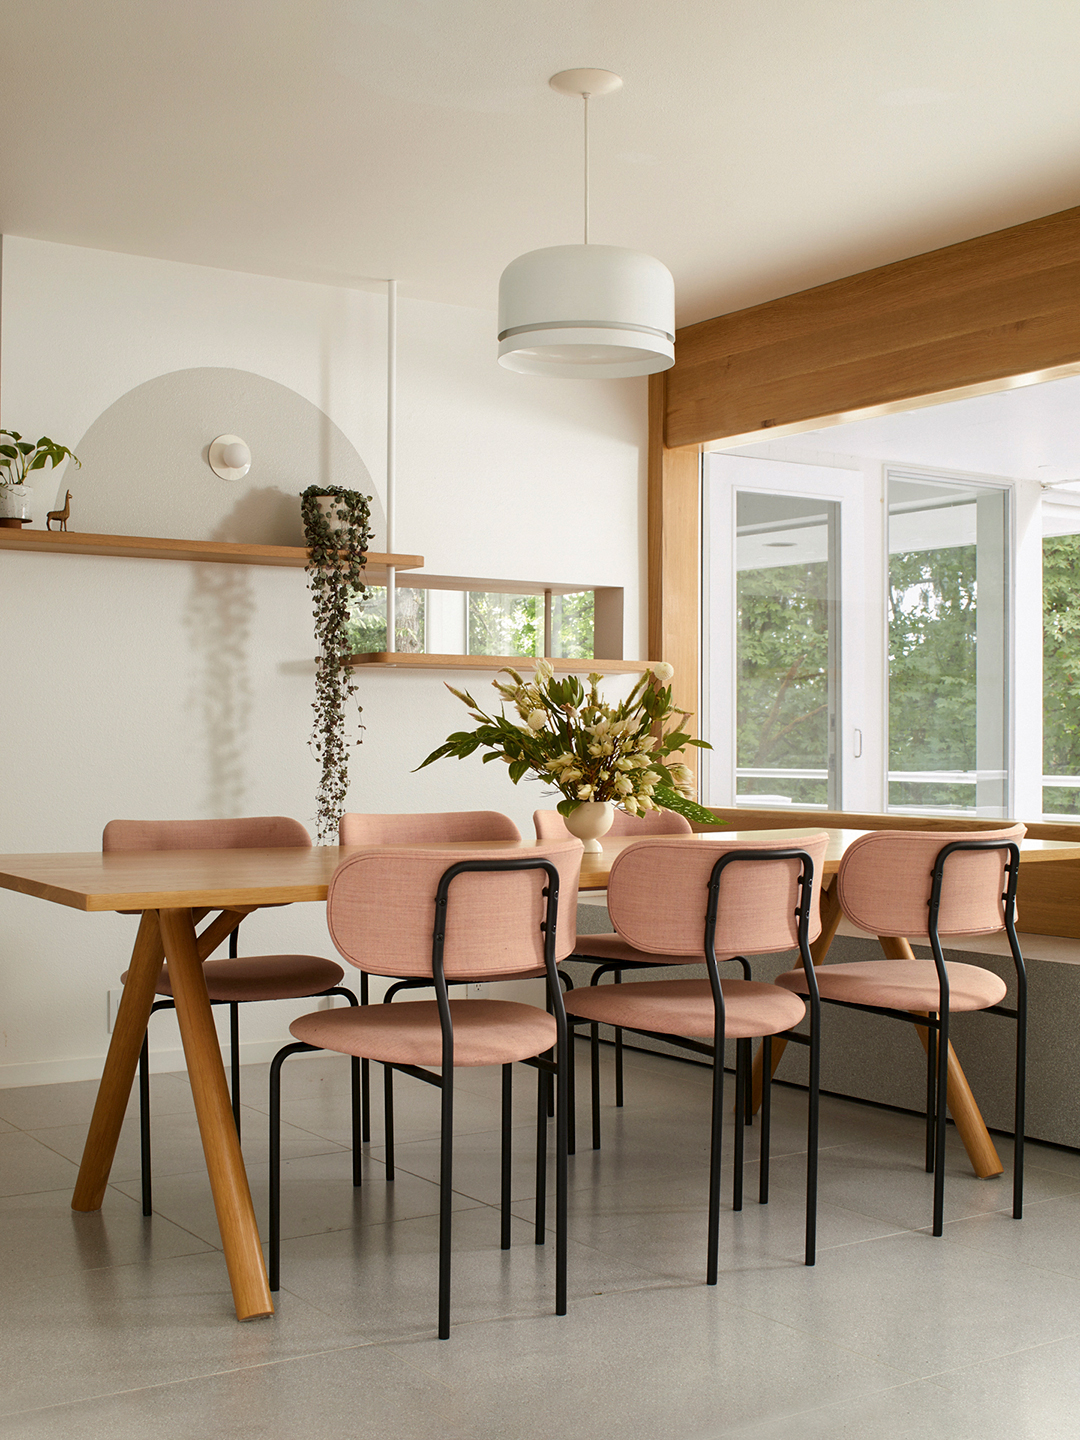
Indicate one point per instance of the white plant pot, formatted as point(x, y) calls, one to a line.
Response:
point(589, 821)
point(329, 505)
point(16, 502)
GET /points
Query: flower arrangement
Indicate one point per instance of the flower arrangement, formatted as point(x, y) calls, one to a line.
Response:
point(587, 748)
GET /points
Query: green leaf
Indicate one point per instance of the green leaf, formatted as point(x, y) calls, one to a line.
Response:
point(670, 799)
point(567, 807)
point(519, 768)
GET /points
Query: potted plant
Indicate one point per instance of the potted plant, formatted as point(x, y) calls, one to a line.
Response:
point(337, 534)
point(18, 458)
point(596, 754)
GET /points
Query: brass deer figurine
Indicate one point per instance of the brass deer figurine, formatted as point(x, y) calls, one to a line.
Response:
point(61, 515)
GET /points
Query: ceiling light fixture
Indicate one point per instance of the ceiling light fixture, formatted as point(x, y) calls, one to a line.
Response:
point(586, 311)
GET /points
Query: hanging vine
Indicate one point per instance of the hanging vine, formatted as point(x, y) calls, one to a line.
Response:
point(337, 540)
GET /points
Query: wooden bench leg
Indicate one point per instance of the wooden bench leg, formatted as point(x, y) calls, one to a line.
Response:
point(120, 1063)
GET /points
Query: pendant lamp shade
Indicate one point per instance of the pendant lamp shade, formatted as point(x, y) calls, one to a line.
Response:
point(586, 311)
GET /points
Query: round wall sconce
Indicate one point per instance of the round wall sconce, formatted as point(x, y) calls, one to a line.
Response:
point(229, 457)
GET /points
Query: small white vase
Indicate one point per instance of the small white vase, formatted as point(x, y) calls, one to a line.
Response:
point(329, 505)
point(589, 821)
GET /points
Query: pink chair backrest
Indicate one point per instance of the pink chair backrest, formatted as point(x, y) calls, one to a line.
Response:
point(658, 895)
point(259, 832)
point(357, 829)
point(885, 879)
point(550, 825)
point(380, 910)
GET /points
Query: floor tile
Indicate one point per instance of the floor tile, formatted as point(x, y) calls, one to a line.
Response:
point(95, 1332)
point(26, 1166)
point(317, 1195)
point(384, 1279)
point(40, 1234)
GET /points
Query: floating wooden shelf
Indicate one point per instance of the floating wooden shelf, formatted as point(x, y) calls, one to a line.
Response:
point(148, 547)
point(406, 660)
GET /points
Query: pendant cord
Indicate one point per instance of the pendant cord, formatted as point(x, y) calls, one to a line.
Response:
point(585, 97)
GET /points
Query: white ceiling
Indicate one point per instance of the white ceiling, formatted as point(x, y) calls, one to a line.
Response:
point(759, 146)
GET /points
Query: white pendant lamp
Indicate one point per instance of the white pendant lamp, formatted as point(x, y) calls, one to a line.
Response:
point(586, 311)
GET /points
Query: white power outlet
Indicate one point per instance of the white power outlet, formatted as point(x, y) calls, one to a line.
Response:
point(112, 1005)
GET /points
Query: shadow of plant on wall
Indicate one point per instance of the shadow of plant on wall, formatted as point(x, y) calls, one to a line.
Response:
point(218, 618)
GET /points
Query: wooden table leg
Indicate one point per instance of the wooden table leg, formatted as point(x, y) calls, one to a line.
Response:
point(224, 1162)
point(830, 920)
point(120, 1064)
point(967, 1117)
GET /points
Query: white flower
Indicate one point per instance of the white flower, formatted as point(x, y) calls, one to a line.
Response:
point(607, 748)
point(595, 750)
point(623, 786)
point(537, 719)
point(681, 775)
point(663, 672)
point(569, 776)
point(623, 764)
point(584, 791)
point(544, 672)
point(630, 805)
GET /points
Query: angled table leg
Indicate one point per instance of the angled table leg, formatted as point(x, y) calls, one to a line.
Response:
point(224, 1162)
point(830, 920)
point(967, 1117)
point(120, 1063)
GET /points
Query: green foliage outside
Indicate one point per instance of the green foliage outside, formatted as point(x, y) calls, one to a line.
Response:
point(783, 652)
point(1061, 669)
point(366, 627)
point(932, 712)
point(514, 624)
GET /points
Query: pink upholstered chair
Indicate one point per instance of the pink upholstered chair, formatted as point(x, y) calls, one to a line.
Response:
point(717, 901)
point(239, 979)
point(434, 828)
point(927, 885)
point(438, 915)
point(610, 954)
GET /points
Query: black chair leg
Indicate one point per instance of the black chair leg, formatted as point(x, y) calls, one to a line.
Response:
point(740, 1123)
point(766, 1119)
point(618, 1054)
point(931, 1093)
point(234, 1056)
point(1021, 1090)
point(357, 1175)
point(507, 1132)
point(388, 1121)
point(594, 1033)
point(812, 1138)
point(446, 1181)
point(939, 1134)
point(716, 1137)
point(571, 1093)
point(274, 1235)
point(365, 1075)
point(541, 1153)
point(144, 1126)
point(562, 1117)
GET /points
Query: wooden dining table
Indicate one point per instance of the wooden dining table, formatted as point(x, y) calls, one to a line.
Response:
point(173, 892)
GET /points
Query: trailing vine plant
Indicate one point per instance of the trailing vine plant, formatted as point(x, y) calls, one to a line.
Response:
point(337, 554)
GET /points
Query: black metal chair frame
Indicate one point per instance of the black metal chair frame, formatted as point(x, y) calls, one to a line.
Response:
point(546, 1066)
point(715, 1053)
point(936, 1025)
point(234, 1057)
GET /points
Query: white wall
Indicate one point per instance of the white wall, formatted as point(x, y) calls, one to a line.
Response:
point(152, 689)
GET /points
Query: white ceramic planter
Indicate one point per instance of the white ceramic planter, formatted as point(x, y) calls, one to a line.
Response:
point(589, 821)
point(16, 502)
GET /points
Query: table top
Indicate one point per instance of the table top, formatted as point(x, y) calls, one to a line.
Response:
point(220, 879)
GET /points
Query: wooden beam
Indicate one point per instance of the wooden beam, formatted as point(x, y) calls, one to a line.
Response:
point(969, 318)
point(674, 510)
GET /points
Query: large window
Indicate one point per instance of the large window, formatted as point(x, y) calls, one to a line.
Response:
point(947, 641)
point(786, 619)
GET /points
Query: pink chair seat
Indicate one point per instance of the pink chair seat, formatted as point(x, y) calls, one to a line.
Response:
point(685, 1007)
point(614, 947)
point(262, 977)
point(486, 1032)
point(901, 985)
